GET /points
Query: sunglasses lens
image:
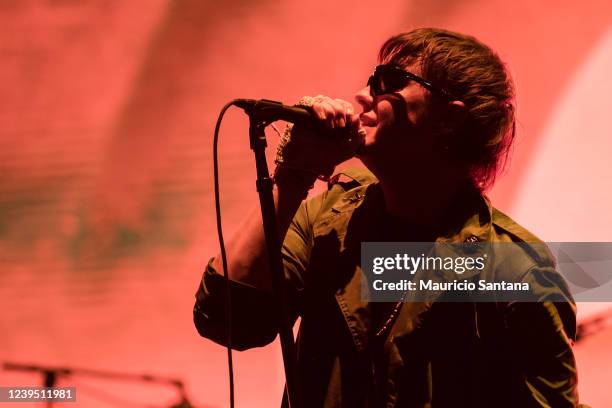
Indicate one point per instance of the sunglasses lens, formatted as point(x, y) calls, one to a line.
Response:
point(387, 79)
point(392, 79)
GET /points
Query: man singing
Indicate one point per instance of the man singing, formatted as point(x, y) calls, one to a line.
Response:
point(436, 123)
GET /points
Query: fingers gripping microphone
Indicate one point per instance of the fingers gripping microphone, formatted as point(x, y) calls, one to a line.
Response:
point(269, 111)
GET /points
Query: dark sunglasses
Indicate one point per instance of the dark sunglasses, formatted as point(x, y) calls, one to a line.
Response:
point(390, 78)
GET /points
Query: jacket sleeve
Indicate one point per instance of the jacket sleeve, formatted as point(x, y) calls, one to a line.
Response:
point(543, 334)
point(254, 313)
point(253, 321)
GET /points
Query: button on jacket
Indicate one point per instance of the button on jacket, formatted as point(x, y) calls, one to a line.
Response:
point(433, 354)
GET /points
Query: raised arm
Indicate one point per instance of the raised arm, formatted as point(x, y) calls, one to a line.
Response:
point(302, 156)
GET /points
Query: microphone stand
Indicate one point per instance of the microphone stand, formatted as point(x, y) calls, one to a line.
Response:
point(257, 137)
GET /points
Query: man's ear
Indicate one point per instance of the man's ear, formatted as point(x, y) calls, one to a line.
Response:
point(458, 111)
point(454, 114)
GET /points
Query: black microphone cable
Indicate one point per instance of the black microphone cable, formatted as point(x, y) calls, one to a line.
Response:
point(228, 298)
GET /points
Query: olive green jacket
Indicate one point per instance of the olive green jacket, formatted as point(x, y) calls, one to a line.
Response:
point(436, 354)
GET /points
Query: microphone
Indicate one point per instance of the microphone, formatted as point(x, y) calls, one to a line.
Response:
point(267, 110)
point(270, 111)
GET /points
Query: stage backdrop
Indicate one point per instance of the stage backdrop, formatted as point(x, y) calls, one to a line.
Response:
point(106, 117)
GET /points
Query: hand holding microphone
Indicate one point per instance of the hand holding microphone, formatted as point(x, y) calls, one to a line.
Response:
point(316, 150)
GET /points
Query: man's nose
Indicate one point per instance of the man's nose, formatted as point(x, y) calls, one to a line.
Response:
point(364, 98)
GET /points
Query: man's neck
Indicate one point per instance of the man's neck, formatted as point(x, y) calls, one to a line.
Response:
point(420, 201)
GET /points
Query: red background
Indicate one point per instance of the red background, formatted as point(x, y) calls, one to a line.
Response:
point(106, 208)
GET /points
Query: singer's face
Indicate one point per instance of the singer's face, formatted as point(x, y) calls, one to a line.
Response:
point(398, 125)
